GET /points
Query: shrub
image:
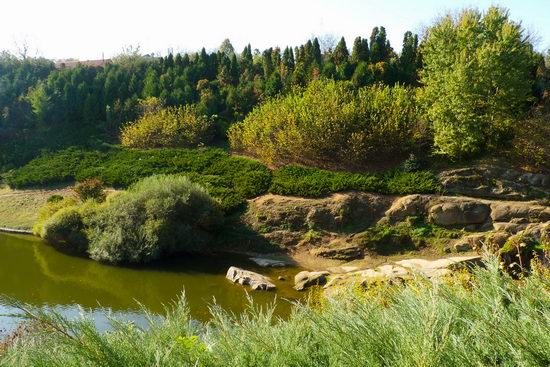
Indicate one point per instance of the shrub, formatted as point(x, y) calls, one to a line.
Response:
point(182, 126)
point(329, 123)
point(55, 198)
point(159, 215)
point(66, 227)
point(91, 188)
point(531, 143)
point(314, 182)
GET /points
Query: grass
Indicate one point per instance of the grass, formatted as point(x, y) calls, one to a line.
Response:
point(19, 209)
point(487, 319)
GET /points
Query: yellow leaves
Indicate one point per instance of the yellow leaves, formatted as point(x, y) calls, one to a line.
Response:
point(183, 126)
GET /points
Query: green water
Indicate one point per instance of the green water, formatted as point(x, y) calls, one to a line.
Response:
point(34, 272)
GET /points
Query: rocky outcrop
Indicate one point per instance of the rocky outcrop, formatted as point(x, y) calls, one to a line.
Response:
point(337, 212)
point(254, 280)
point(337, 227)
point(463, 213)
point(395, 272)
point(494, 180)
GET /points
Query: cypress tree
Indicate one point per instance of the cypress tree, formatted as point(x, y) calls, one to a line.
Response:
point(341, 53)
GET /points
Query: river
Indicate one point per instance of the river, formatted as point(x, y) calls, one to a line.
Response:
point(33, 272)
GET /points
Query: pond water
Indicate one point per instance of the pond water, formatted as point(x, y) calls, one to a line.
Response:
point(33, 272)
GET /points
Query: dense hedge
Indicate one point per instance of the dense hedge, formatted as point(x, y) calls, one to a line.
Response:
point(313, 182)
point(229, 179)
point(330, 123)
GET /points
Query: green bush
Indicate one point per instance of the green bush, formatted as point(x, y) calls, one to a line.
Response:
point(157, 216)
point(330, 123)
point(66, 227)
point(182, 126)
point(314, 182)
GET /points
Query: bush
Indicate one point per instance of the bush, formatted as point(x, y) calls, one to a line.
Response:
point(182, 126)
point(157, 216)
point(531, 143)
point(55, 198)
point(329, 123)
point(314, 182)
point(90, 189)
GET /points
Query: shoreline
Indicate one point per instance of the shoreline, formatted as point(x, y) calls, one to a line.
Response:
point(15, 231)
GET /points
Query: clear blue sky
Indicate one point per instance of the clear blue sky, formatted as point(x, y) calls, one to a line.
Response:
point(86, 29)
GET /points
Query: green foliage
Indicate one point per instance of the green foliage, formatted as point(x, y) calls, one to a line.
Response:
point(55, 198)
point(531, 143)
point(229, 179)
point(185, 126)
point(329, 123)
point(485, 319)
point(157, 216)
point(313, 182)
point(90, 189)
point(477, 78)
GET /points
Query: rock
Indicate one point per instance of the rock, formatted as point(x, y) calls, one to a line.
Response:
point(462, 246)
point(254, 280)
point(407, 206)
point(430, 267)
point(339, 250)
point(459, 213)
point(509, 227)
point(526, 211)
point(269, 263)
point(306, 279)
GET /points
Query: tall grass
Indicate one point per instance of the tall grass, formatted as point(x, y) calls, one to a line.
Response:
point(486, 320)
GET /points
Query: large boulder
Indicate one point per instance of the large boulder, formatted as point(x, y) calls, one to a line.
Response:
point(459, 213)
point(407, 206)
point(306, 279)
point(254, 280)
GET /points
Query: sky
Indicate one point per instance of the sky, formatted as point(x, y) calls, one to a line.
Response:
point(92, 29)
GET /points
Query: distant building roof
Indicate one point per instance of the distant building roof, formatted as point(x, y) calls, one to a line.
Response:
point(70, 64)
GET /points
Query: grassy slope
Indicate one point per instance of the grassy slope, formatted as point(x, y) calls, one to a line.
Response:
point(19, 208)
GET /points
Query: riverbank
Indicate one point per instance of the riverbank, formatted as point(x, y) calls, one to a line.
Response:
point(459, 321)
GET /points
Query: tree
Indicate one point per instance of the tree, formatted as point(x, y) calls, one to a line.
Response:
point(341, 53)
point(226, 48)
point(476, 74)
point(380, 49)
point(408, 60)
point(360, 50)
